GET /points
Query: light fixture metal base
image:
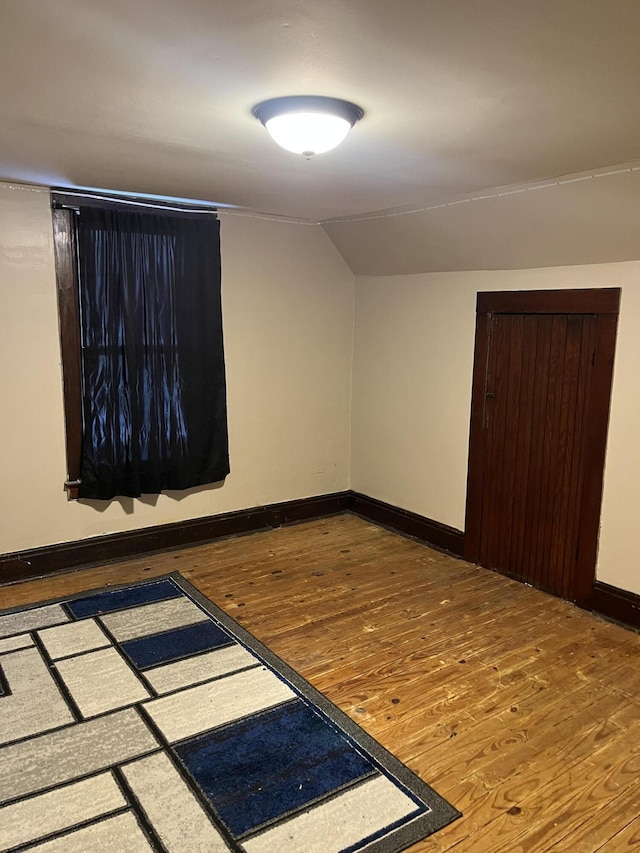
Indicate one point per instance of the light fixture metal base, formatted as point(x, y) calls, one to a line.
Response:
point(266, 110)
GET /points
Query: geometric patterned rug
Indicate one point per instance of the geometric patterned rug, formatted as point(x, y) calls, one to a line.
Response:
point(143, 718)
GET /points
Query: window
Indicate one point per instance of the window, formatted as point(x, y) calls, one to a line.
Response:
point(142, 349)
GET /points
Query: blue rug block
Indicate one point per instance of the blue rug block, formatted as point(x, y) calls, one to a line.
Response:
point(285, 758)
point(174, 645)
point(118, 599)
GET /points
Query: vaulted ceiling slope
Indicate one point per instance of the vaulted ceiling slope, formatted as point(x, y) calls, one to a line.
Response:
point(155, 96)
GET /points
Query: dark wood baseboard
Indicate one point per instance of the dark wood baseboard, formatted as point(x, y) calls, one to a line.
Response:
point(609, 601)
point(402, 521)
point(37, 562)
point(618, 604)
point(118, 546)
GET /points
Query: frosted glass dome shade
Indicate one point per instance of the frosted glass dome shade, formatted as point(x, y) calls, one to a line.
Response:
point(308, 124)
point(308, 133)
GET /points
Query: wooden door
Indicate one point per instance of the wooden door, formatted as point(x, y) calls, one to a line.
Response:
point(539, 416)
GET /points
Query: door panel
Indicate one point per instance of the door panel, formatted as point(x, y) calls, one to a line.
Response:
point(538, 375)
point(539, 415)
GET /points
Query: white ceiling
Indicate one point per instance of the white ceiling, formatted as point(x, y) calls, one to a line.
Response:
point(155, 96)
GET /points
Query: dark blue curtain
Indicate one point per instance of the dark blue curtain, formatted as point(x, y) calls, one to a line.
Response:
point(154, 391)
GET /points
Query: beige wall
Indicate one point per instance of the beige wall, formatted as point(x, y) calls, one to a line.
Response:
point(412, 390)
point(288, 302)
point(288, 319)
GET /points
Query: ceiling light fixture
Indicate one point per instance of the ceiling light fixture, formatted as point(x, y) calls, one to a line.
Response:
point(308, 124)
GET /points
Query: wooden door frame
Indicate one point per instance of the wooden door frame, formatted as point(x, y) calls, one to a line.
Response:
point(603, 302)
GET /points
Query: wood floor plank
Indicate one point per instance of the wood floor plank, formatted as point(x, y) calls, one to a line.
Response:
point(601, 831)
point(532, 736)
point(574, 794)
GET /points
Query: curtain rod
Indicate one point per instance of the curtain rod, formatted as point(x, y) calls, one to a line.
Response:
point(63, 194)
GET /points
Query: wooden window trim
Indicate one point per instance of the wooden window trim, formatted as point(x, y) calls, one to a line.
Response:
point(65, 253)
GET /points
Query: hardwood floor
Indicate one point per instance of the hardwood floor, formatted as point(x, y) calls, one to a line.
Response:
point(519, 708)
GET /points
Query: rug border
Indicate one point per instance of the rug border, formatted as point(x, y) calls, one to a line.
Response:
point(441, 812)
